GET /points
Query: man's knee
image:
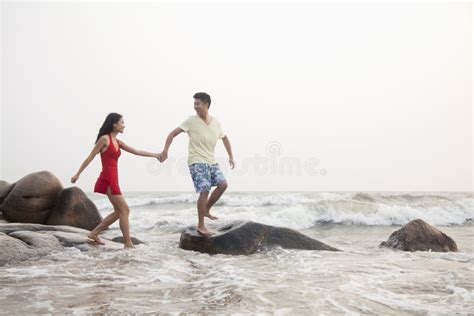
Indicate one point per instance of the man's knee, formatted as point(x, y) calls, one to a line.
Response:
point(222, 185)
point(203, 195)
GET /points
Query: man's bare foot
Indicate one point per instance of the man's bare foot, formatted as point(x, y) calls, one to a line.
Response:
point(204, 231)
point(94, 239)
point(128, 246)
point(211, 216)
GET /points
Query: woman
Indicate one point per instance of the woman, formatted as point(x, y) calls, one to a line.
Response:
point(109, 147)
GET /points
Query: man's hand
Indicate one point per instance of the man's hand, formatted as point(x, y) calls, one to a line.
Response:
point(231, 162)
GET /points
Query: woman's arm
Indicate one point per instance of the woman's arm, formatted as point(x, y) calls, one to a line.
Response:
point(228, 147)
point(164, 154)
point(136, 151)
point(103, 141)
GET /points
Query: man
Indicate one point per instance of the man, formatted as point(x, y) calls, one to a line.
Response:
point(203, 131)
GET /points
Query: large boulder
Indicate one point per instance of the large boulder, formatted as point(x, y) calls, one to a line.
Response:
point(74, 208)
point(20, 242)
point(418, 235)
point(5, 189)
point(32, 198)
point(245, 237)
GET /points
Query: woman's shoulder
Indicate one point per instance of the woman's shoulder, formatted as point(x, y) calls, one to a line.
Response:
point(103, 139)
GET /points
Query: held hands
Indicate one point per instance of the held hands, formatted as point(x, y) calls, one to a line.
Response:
point(162, 156)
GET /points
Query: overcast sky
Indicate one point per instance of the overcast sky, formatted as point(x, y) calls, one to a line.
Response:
point(313, 97)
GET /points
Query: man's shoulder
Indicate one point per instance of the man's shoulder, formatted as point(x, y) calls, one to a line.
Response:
point(191, 118)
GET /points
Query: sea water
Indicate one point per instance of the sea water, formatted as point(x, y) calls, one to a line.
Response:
point(160, 278)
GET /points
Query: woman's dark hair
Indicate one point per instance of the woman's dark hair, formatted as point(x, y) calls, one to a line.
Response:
point(204, 97)
point(108, 125)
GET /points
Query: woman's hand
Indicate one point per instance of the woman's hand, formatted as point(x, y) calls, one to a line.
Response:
point(163, 156)
point(74, 178)
point(231, 162)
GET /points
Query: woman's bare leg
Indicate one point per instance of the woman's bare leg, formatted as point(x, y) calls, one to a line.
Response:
point(123, 213)
point(106, 222)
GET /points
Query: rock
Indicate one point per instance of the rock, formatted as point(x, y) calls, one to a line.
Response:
point(20, 242)
point(32, 198)
point(13, 227)
point(13, 250)
point(135, 241)
point(5, 189)
point(243, 238)
point(42, 242)
point(418, 235)
point(68, 239)
point(74, 208)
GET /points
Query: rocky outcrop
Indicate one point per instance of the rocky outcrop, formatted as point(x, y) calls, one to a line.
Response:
point(13, 250)
point(31, 199)
point(74, 208)
point(20, 242)
point(243, 238)
point(39, 198)
point(418, 235)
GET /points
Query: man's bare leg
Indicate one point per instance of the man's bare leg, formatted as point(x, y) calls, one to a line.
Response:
point(202, 210)
point(215, 196)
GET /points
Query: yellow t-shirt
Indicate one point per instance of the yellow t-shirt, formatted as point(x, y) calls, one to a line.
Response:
point(202, 139)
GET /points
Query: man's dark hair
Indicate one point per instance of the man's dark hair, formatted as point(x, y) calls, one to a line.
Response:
point(204, 97)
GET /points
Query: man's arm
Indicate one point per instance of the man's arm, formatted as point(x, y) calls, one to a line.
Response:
point(228, 148)
point(164, 154)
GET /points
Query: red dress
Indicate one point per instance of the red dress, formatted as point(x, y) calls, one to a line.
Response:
point(109, 175)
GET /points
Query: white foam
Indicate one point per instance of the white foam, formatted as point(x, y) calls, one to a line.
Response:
point(302, 211)
point(235, 199)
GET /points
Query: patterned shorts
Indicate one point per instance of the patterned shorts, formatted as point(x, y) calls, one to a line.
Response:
point(205, 176)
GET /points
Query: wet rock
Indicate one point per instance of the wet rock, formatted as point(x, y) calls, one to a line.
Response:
point(20, 242)
point(418, 235)
point(8, 228)
point(243, 238)
point(74, 208)
point(42, 243)
point(31, 198)
point(135, 241)
point(13, 250)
